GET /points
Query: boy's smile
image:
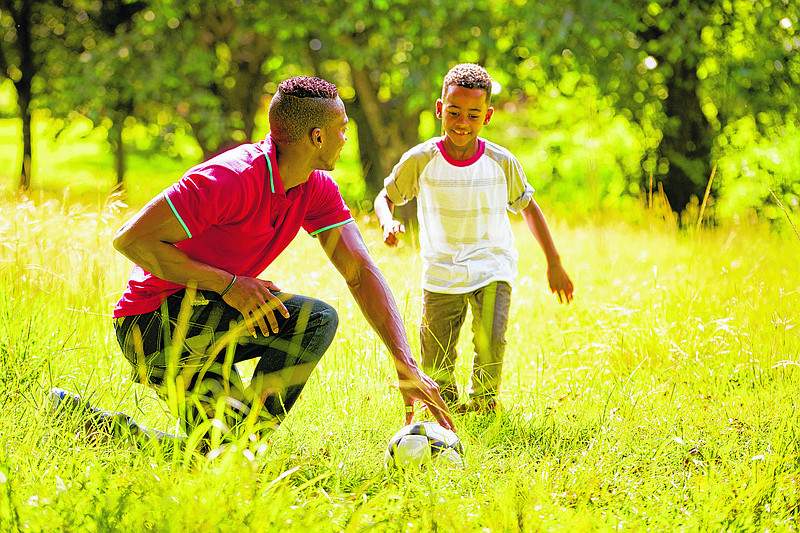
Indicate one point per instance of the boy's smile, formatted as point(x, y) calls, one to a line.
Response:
point(463, 112)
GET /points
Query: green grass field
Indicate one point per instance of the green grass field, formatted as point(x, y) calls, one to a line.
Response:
point(663, 398)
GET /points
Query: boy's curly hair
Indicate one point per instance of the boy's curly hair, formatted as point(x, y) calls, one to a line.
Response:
point(301, 104)
point(470, 76)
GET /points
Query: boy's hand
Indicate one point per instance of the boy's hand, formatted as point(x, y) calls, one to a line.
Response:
point(559, 282)
point(390, 232)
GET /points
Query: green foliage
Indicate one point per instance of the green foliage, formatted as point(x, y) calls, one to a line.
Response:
point(575, 150)
point(761, 164)
point(675, 83)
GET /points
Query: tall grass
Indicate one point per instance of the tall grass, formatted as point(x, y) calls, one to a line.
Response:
point(663, 398)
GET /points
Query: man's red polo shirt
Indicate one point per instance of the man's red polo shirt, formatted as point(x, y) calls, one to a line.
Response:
point(238, 218)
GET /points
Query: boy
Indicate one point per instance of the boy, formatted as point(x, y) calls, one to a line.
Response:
point(463, 185)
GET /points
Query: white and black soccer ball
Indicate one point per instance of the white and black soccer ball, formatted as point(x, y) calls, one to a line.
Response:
point(421, 444)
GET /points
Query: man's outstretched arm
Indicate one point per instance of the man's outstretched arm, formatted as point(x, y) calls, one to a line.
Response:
point(349, 254)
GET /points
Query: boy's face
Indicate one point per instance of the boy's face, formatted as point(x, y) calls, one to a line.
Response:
point(463, 112)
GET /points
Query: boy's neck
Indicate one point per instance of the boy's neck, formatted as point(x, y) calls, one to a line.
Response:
point(460, 153)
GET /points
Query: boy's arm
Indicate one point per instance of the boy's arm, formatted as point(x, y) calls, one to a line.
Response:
point(556, 275)
point(384, 209)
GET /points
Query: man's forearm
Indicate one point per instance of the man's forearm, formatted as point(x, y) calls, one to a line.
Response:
point(148, 238)
point(170, 263)
point(373, 296)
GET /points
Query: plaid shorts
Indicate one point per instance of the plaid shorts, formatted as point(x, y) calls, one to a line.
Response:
point(189, 348)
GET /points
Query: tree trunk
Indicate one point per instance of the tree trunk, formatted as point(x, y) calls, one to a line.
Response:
point(120, 154)
point(27, 150)
point(369, 151)
point(23, 87)
point(383, 126)
point(687, 140)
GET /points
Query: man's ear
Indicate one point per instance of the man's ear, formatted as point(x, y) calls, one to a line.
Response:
point(317, 137)
point(439, 107)
point(489, 114)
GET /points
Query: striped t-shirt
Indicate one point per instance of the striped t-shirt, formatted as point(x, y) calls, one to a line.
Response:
point(465, 235)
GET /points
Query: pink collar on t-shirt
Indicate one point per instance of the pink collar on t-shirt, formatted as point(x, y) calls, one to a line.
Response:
point(467, 162)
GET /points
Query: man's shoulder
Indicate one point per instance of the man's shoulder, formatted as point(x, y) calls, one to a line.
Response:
point(322, 187)
point(322, 178)
point(236, 160)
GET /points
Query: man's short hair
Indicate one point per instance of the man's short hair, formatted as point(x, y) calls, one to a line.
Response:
point(470, 76)
point(300, 105)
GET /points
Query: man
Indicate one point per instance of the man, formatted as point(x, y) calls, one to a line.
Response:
point(194, 306)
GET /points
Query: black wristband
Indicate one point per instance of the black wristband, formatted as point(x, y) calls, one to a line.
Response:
point(229, 286)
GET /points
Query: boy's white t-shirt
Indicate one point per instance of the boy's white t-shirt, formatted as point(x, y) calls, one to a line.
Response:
point(465, 235)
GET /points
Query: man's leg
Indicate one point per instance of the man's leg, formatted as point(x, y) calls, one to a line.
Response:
point(99, 423)
point(442, 318)
point(287, 359)
point(490, 307)
point(200, 340)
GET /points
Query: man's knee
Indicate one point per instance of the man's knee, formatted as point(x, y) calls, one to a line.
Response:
point(331, 317)
point(327, 322)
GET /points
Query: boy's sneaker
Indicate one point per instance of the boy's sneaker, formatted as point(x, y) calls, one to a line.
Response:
point(449, 394)
point(484, 405)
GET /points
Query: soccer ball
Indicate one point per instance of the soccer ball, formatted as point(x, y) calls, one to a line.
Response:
point(421, 444)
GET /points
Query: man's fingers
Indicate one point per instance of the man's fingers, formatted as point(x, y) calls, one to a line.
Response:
point(266, 320)
point(426, 391)
point(409, 414)
point(444, 420)
point(248, 322)
point(265, 315)
point(271, 286)
point(274, 302)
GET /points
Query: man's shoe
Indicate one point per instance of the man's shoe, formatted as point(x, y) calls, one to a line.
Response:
point(100, 424)
point(63, 401)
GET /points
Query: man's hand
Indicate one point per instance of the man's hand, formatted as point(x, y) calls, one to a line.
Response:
point(559, 282)
point(254, 298)
point(416, 386)
point(390, 232)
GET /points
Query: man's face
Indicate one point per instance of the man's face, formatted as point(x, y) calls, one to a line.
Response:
point(335, 135)
point(463, 112)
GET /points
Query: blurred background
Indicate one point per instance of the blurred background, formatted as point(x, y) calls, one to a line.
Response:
point(609, 104)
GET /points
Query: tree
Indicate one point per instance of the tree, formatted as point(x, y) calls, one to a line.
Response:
point(216, 60)
point(113, 20)
point(682, 69)
point(93, 70)
point(19, 58)
point(49, 39)
point(396, 54)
